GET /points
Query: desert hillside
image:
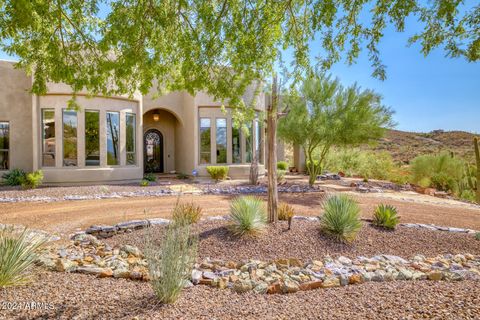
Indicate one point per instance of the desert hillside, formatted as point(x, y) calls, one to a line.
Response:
point(405, 146)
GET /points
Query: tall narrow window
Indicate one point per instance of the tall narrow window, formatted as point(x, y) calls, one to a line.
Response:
point(130, 136)
point(69, 119)
point(48, 137)
point(258, 141)
point(113, 138)
point(205, 133)
point(249, 143)
point(236, 156)
point(92, 138)
point(221, 141)
point(4, 145)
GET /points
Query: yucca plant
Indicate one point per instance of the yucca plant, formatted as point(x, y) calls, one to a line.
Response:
point(170, 262)
point(186, 213)
point(248, 215)
point(386, 216)
point(17, 255)
point(341, 218)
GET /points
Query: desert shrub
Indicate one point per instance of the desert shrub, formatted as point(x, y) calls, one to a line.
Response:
point(281, 175)
point(186, 213)
point(144, 183)
point(285, 211)
point(386, 216)
point(248, 215)
point(468, 195)
point(218, 172)
point(477, 236)
point(150, 177)
point(14, 177)
point(341, 218)
point(282, 165)
point(441, 171)
point(32, 180)
point(366, 164)
point(170, 262)
point(17, 255)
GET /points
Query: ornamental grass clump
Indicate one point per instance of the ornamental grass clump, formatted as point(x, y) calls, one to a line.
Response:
point(341, 218)
point(248, 215)
point(17, 255)
point(386, 216)
point(286, 213)
point(170, 262)
point(14, 177)
point(282, 165)
point(186, 213)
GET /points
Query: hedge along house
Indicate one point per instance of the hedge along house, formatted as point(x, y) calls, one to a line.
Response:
point(118, 138)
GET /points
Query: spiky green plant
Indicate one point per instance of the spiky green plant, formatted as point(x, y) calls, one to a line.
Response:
point(386, 216)
point(17, 255)
point(477, 236)
point(14, 177)
point(341, 218)
point(248, 215)
point(32, 180)
point(186, 213)
point(170, 262)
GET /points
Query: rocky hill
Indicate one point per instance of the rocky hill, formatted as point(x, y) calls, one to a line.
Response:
point(404, 146)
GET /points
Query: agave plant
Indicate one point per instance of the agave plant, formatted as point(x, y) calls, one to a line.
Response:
point(17, 255)
point(248, 215)
point(341, 218)
point(386, 216)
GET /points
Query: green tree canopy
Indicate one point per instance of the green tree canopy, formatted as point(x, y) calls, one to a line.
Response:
point(323, 114)
point(219, 46)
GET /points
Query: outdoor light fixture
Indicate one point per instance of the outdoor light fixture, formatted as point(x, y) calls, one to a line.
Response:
point(156, 117)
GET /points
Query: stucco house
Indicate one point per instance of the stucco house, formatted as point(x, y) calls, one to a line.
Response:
point(119, 138)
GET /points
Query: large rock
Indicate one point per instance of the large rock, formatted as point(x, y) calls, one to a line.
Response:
point(134, 251)
point(65, 265)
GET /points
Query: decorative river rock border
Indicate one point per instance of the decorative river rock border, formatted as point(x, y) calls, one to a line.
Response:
point(107, 231)
point(86, 254)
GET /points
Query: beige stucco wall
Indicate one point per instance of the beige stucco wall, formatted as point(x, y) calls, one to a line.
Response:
point(16, 108)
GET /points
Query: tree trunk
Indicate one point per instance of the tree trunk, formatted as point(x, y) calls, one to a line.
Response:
point(272, 154)
point(477, 160)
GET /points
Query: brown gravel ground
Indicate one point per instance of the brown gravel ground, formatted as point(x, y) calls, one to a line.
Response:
point(76, 296)
point(305, 241)
point(66, 216)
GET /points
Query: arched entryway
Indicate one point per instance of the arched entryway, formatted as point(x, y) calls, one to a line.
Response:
point(153, 151)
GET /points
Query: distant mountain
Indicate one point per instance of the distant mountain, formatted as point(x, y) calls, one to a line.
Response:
point(404, 146)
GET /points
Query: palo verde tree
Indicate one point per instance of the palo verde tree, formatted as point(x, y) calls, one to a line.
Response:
point(217, 46)
point(323, 114)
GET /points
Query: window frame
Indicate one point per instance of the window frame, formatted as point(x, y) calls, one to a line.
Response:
point(42, 119)
point(98, 112)
point(134, 152)
point(200, 140)
point(7, 150)
point(119, 156)
point(216, 140)
point(63, 137)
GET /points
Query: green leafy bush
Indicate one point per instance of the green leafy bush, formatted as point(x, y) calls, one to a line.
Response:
point(186, 213)
point(14, 177)
point(282, 165)
point(32, 180)
point(170, 262)
point(386, 216)
point(441, 171)
point(218, 172)
point(150, 177)
point(144, 183)
point(17, 255)
point(341, 218)
point(477, 236)
point(285, 211)
point(248, 215)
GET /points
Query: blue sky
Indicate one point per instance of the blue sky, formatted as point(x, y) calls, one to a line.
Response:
point(427, 93)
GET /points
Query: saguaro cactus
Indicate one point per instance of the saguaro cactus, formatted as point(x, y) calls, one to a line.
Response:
point(477, 160)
